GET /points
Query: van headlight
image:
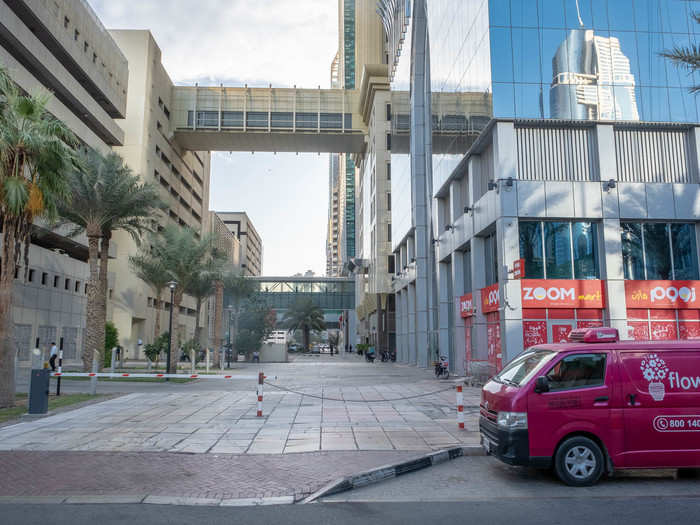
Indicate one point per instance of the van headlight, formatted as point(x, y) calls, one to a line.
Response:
point(512, 420)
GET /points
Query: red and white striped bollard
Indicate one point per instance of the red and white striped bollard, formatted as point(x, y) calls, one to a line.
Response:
point(460, 407)
point(261, 379)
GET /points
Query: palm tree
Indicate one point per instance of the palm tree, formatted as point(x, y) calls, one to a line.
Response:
point(304, 315)
point(686, 57)
point(203, 285)
point(35, 156)
point(151, 271)
point(237, 289)
point(184, 255)
point(106, 197)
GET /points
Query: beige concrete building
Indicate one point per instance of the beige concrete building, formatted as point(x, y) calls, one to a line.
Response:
point(61, 47)
point(251, 245)
point(183, 180)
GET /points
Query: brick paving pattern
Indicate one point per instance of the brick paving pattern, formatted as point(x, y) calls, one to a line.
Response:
point(225, 422)
point(219, 476)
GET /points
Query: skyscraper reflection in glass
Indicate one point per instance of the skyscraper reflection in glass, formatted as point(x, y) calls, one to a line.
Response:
point(591, 59)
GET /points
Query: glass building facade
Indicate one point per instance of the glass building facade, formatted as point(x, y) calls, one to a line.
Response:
point(590, 59)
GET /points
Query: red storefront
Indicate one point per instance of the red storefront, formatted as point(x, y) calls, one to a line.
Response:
point(662, 310)
point(490, 303)
point(466, 311)
point(554, 307)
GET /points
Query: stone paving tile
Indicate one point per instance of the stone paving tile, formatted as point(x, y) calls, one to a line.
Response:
point(41, 475)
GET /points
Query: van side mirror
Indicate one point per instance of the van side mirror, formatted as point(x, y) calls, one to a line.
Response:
point(541, 385)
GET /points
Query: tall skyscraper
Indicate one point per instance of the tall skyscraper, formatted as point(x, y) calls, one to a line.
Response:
point(592, 79)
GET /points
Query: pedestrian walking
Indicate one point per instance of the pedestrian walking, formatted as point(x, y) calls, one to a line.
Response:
point(256, 356)
point(53, 354)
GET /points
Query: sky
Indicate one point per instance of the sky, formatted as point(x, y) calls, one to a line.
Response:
point(282, 42)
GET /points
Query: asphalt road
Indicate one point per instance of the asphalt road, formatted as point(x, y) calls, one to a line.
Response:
point(537, 511)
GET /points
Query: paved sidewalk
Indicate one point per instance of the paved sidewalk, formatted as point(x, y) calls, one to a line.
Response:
point(163, 477)
point(225, 422)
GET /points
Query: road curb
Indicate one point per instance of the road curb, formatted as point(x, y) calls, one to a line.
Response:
point(391, 471)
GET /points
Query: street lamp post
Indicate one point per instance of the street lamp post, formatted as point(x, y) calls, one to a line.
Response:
point(230, 348)
point(171, 285)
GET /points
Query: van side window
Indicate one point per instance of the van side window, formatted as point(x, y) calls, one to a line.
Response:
point(577, 371)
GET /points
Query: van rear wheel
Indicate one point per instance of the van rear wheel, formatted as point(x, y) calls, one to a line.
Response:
point(579, 462)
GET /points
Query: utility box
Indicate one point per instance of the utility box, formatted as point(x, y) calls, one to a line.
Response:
point(39, 391)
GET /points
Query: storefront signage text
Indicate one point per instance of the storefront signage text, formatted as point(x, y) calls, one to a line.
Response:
point(662, 294)
point(490, 300)
point(466, 305)
point(562, 293)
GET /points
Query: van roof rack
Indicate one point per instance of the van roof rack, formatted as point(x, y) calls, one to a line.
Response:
point(602, 334)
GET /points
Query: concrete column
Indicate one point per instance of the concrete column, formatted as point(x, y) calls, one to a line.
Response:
point(511, 310)
point(479, 341)
point(611, 270)
point(458, 342)
point(411, 300)
point(443, 277)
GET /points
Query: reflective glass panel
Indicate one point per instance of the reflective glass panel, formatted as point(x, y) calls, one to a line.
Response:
point(585, 250)
point(557, 241)
point(685, 253)
point(632, 255)
point(657, 251)
point(531, 249)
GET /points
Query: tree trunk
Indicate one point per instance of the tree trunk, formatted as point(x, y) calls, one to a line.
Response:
point(306, 338)
point(197, 328)
point(218, 313)
point(104, 268)
point(94, 308)
point(174, 354)
point(156, 324)
point(7, 347)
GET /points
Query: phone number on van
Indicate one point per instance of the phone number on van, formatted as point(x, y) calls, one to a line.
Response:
point(677, 423)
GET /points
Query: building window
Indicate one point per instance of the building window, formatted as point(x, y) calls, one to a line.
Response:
point(388, 112)
point(388, 141)
point(44, 278)
point(491, 259)
point(659, 251)
point(31, 276)
point(55, 281)
point(110, 293)
point(77, 286)
point(66, 22)
point(559, 250)
point(388, 171)
point(66, 284)
point(388, 232)
point(388, 201)
point(391, 264)
point(86, 287)
point(76, 35)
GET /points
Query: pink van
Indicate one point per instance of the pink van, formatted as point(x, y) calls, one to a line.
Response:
point(595, 405)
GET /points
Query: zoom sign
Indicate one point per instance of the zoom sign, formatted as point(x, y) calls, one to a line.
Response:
point(562, 293)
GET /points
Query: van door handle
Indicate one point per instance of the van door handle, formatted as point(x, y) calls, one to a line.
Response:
point(633, 398)
point(601, 399)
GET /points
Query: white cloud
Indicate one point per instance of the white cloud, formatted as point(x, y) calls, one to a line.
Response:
point(283, 42)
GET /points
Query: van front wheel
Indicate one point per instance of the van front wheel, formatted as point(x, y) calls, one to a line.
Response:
point(579, 462)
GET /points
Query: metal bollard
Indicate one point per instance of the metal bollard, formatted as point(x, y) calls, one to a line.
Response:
point(261, 380)
point(460, 407)
point(192, 360)
point(114, 356)
point(93, 379)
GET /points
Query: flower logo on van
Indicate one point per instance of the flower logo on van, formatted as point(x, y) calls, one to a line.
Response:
point(655, 371)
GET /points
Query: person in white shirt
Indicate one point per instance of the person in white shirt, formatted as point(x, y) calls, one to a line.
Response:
point(53, 354)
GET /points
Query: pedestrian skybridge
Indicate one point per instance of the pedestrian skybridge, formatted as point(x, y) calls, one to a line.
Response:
point(314, 120)
point(268, 119)
point(333, 295)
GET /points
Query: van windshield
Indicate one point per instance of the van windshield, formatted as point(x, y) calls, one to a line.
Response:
point(522, 368)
